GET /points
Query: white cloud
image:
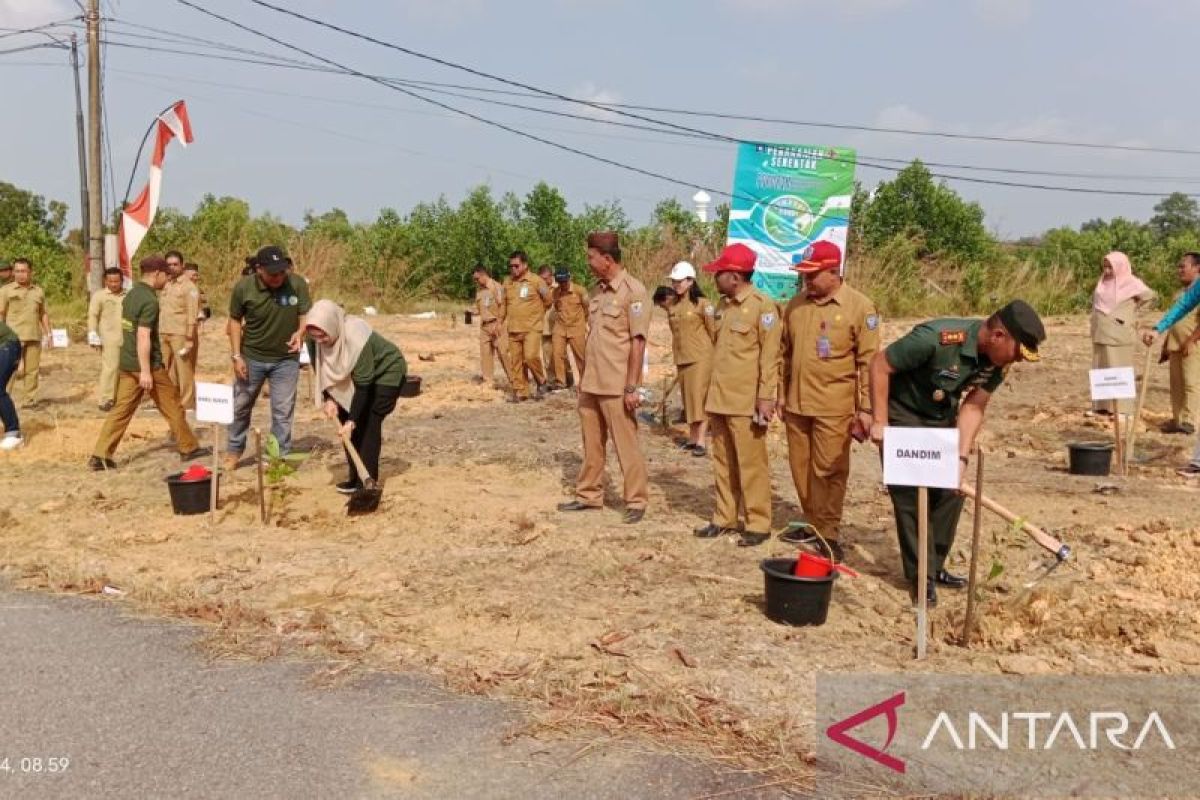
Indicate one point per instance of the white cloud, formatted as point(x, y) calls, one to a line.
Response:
point(848, 8)
point(28, 13)
point(1004, 13)
point(595, 94)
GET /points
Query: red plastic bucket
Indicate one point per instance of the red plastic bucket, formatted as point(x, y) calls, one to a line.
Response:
point(810, 566)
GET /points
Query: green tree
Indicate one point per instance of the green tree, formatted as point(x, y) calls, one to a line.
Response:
point(913, 205)
point(1175, 215)
point(32, 228)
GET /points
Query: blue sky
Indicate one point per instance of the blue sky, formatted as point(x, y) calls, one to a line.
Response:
point(288, 141)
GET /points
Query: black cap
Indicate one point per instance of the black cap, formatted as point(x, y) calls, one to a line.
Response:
point(1023, 323)
point(272, 259)
point(562, 274)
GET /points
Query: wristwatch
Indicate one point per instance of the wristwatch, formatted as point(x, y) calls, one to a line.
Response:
point(631, 390)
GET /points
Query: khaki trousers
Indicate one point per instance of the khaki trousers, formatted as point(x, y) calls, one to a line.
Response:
point(1185, 386)
point(562, 367)
point(743, 478)
point(180, 366)
point(491, 346)
point(129, 397)
point(819, 455)
point(110, 358)
point(28, 371)
point(602, 417)
point(524, 352)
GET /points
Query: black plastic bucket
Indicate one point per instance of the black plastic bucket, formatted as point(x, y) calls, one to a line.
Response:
point(411, 387)
point(1089, 458)
point(190, 497)
point(792, 600)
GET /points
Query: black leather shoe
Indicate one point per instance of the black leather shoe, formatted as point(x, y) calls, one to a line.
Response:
point(633, 516)
point(575, 505)
point(833, 552)
point(199, 452)
point(709, 531)
point(752, 539)
point(96, 464)
point(930, 593)
point(950, 581)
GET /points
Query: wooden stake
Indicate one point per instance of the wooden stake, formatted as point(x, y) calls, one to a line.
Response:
point(1120, 443)
point(976, 525)
point(258, 466)
point(1141, 404)
point(922, 570)
point(215, 488)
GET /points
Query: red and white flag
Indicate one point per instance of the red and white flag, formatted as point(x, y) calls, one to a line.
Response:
point(138, 216)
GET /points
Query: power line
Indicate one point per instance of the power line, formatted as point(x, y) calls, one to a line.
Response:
point(616, 107)
point(18, 31)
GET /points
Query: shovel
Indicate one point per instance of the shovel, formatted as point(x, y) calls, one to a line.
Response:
point(366, 499)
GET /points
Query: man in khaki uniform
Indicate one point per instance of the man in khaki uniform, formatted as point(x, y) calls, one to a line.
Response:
point(830, 333)
point(493, 340)
point(570, 326)
point(741, 398)
point(619, 321)
point(180, 302)
point(104, 332)
point(526, 298)
point(1183, 357)
point(23, 308)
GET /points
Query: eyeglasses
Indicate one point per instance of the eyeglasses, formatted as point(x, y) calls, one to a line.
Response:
point(514, 266)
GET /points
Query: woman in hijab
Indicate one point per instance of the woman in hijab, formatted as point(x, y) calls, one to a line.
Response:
point(358, 375)
point(692, 327)
point(1115, 304)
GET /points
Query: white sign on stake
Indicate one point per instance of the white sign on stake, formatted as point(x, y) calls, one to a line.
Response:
point(921, 457)
point(305, 358)
point(1113, 383)
point(214, 403)
point(59, 338)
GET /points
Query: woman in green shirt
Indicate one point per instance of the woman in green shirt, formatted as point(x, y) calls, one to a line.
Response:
point(10, 356)
point(358, 375)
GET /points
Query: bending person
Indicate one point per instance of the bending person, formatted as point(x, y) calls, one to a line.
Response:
point(358, 378)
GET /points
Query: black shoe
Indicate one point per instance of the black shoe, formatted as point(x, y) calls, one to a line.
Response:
point(1187, 428)
point(1171, 426)
point(97, 464)
point(576, 505)
point(949, 581)
point(799, 533)
point(633, 516)
point(199, 452)
point(930, 593)
point(752, 539)
point(833, 552)
point(348, 487)
point(106, 405)
point(516, 398)
point(709, 531)
point(699, 450)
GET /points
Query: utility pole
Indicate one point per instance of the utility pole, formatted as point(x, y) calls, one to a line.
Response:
point(95, 214)
point(79, 138)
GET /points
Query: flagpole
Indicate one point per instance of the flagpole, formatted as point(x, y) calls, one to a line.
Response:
point(138, 158)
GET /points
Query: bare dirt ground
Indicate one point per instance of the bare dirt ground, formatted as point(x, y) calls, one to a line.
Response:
point(468, 571)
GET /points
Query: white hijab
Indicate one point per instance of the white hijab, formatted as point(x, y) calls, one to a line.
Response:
point(335, 360)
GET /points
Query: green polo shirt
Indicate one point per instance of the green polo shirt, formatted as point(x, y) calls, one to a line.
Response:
point(379, 363)
point(269, 317)
point(139, 309)
point(936, 363)
point(7, 334)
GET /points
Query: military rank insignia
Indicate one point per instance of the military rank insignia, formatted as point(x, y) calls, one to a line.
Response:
point(952, 337)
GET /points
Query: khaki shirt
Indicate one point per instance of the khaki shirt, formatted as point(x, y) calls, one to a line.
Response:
point(571, 309)
point(22, 309)
point(526, 301)
point(1120, 327)
point(179, 306)
point(693, 325)
point(827, 348)
point(104, 315)
point(618, 312)
point(489, 302)
point(746, 356)
point(1178, 333)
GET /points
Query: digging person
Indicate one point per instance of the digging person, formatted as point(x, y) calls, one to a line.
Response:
point(142, 372)
point(266, 329)
point(358, 376)
point(830, 335)
point(619, 321)
point(741, 399)
point(942, 374)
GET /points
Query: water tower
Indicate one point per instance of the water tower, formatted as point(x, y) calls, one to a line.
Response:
point(702, 201)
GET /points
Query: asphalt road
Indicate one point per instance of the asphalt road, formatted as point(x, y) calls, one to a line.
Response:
point(130, 708)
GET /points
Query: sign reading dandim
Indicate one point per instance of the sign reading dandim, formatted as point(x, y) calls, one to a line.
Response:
point(921, 457)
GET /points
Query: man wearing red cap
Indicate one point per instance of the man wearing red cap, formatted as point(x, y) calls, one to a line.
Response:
point(618, 323)
point(741, 398)
point(830, 333)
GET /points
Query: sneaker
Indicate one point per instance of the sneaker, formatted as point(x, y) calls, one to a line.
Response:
point(1189, 471)
point(12, 442)
point(199, 452)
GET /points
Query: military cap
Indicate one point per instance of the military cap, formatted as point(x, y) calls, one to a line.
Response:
point(1023, 323)
point(562, 274)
